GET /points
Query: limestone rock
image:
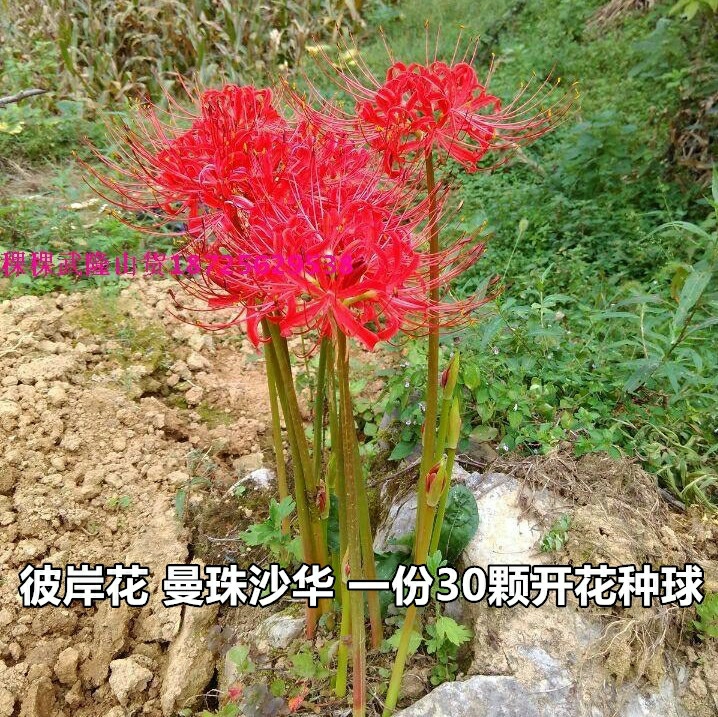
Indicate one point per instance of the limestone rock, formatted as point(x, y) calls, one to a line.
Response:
point(278, 631)
point(190, 662)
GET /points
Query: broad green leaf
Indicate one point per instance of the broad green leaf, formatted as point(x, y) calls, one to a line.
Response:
point(691, 292)
point(471, 376)
point(448, 629)
point(646, 368)
point(414, 641)
point(461, 521)
point(401, 450)
point(386, 566)
point(483, 434)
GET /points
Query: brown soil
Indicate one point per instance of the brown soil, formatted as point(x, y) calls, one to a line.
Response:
point(108, 408)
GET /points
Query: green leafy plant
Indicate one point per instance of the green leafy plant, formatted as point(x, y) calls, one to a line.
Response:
point(239, 656)
point(270, 534)
point(119, 502)
point(690, 8)
point(308, 666)
point(707, 623)
point(557, 536)
point(445, 636)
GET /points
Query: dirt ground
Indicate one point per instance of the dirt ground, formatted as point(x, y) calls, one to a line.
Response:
point(108, 407)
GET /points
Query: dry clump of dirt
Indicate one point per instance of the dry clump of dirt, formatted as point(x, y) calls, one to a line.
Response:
point(620, 517)
point(108, 408)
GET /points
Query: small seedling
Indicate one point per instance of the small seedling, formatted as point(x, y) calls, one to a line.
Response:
point(445, 637)
point(556, 538)
point(269, 533)
point(119, 502)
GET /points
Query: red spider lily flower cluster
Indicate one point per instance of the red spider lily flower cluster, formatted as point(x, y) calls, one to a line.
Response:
point(247, 182)
point(201, 173)
point(439, 106)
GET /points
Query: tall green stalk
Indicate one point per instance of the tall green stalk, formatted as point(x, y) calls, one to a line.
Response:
point(421, 547)
point(432, 367)
point(452, 441)
point(356, 597)
point(335, 429)
point(367, 548)
point(277, 441)
point(303, 512)
point(304, 466)
point(319, 406)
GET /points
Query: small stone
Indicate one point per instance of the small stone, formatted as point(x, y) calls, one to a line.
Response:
point(5, 617)
point(7, 703)
point(9, 409)
point(194, 395)
point(58, 463)
point(39, 699)
point(74, 696)
point(249, 463)
point(9, 381)
point(66, 666)
point(57, 395)
point(278, 631)
point(27, 550)
point(261, 477)
point(128, 679)
point(178, 478)
point(196, 362)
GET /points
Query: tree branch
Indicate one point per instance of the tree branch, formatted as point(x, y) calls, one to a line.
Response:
point(20, 96)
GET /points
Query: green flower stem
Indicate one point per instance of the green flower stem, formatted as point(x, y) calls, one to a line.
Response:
point(432, 377)
point(277, 440)
point(367, 547)
point(397, 672)
point(356, 597)
point(441, 507)
point(319, 407)
point(340, 685)
point(303, 515)
point(284, 373)
point(305, 529)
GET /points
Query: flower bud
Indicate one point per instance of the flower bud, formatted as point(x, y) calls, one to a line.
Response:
point(322, 500)
point(452, 435)
point(450, 376)
point(435, 484)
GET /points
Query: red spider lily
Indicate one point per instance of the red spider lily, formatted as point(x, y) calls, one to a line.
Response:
point(250, 184)
point(201, 173)
point(350, 223)
point(435, 105)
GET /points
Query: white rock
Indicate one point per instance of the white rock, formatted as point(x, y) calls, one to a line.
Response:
point(278, 631)
point(190, 663)
point(261, 477)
